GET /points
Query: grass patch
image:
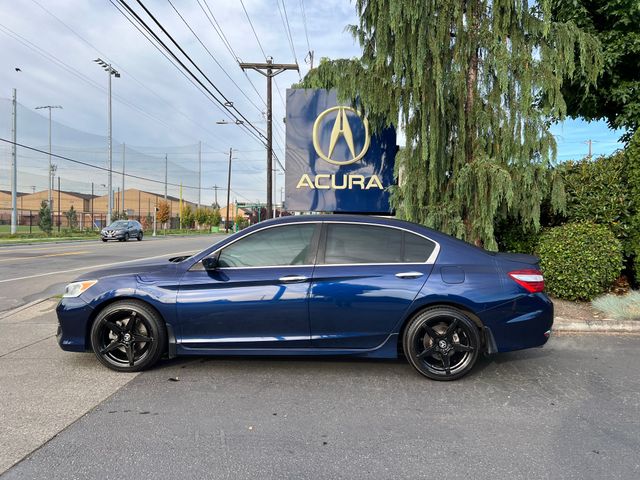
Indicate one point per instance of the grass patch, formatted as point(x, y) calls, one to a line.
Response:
point(625, 307)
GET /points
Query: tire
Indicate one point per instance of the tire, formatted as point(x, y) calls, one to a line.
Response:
point(441, 343)
point(139, 237)
point(104, 239)
point(124, 346)
point(126, 237)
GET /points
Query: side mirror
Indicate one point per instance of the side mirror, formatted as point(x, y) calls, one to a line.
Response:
point(210, 263)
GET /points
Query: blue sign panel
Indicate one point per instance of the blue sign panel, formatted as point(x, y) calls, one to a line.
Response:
point(333, 162)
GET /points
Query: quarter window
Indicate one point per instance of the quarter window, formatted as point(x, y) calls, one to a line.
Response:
point(417, 249)
point(286, 245)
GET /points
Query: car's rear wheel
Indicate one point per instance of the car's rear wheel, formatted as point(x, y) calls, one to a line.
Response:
point(441, 343)
point(128, 336)
point(139, 236)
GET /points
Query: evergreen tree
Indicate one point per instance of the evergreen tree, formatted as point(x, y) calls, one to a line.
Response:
point(44, 217)
point(475, 85)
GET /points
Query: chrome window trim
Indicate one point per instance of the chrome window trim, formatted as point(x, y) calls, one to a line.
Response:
point(430, 261)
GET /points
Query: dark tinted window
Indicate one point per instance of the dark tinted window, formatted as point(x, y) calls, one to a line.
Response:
point(417, 249)
point(347, 243)
point(286, 245)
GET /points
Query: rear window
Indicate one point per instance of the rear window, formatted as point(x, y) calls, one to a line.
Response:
point(362, 244)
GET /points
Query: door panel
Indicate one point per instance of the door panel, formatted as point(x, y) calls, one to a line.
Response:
point(364, 282)
point(358, 306)
point(258, 295)
point(245, 308)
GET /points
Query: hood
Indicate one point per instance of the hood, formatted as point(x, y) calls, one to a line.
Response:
point(143, 268)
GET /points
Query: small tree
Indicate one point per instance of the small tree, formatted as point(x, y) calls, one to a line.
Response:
point(72, 218)
point(163, 212)
point(187, 217)
point(214, 217)
point(240, 221)
point(44, 220)
point(202, 216)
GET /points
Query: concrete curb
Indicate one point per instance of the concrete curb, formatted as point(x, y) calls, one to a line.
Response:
point(606, 325)
point(13, 311)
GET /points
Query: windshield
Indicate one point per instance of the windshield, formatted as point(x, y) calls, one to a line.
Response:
point(118, 224)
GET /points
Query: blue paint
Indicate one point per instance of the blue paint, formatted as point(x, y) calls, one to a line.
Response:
point(335, 309)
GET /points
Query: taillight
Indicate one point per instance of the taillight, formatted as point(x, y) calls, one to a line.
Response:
point(531, 280)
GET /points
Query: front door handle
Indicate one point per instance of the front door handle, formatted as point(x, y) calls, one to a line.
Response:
point(409, 274)
point(293, 279)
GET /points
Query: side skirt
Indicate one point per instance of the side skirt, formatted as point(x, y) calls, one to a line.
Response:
point(387, 349)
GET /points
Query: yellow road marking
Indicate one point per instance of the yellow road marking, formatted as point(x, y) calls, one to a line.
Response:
point(43, 256)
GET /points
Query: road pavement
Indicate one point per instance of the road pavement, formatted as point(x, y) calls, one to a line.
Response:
point(29, 272)
point(570, 410)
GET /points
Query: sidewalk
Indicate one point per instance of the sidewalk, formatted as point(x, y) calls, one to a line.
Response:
point(43, 388)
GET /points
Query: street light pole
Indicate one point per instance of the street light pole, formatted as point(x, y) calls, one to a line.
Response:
point(226, 223)
point(14, 165)
point(50, 174)
point(110, 71)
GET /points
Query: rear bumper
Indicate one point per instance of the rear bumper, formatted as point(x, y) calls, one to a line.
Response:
point(522, 323)
point(73, 316)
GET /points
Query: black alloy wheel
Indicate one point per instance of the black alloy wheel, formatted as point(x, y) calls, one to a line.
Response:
point(442, 343)
point(128, 336)
point(139, 237)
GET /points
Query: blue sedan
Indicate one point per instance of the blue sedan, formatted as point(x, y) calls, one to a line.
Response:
point(314, 285)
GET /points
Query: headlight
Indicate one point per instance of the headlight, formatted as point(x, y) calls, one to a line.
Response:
point(75, 289)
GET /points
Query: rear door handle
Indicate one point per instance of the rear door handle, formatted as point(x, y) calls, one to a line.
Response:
point(293, 279)
point(409, 274)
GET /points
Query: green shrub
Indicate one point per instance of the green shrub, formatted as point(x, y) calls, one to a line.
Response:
point(598, 191)
point(632, 167)
point(579, 260)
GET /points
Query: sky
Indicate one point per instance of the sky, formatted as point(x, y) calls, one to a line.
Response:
point(156, 110)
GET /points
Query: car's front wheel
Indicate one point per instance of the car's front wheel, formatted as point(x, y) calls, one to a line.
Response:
point(442, 343)
point(128, 336)
point(139, 237)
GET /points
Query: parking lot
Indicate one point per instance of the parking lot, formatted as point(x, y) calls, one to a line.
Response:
point(568, 410)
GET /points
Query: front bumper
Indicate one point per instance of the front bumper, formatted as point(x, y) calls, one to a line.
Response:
point(73, 317)
point(115, 236)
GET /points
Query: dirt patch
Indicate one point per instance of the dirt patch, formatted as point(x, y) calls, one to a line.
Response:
point(575, 311)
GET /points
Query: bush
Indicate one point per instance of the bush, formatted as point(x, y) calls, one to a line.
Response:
point(579, 260)
point(598, 192)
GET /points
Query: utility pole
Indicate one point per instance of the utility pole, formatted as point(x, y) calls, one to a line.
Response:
point(271, 70)
point(199, 173)
point(226, 223)
point(589, 142)
point(165, 176)
point(14, 164)
point(215, 191)
point(123, 150)
point(50, 199)
point(110, 71)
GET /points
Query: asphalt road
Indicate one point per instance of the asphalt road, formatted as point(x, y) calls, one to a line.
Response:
point(30, 272)
point(570, 410)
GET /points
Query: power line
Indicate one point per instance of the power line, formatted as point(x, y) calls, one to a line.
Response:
point(129, 75)
point(306, 32)
point(225, 102)
point(213, 57)
point(287, 31)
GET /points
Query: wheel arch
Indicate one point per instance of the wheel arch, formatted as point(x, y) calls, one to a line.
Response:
point(171, 338)
point(420, 308)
